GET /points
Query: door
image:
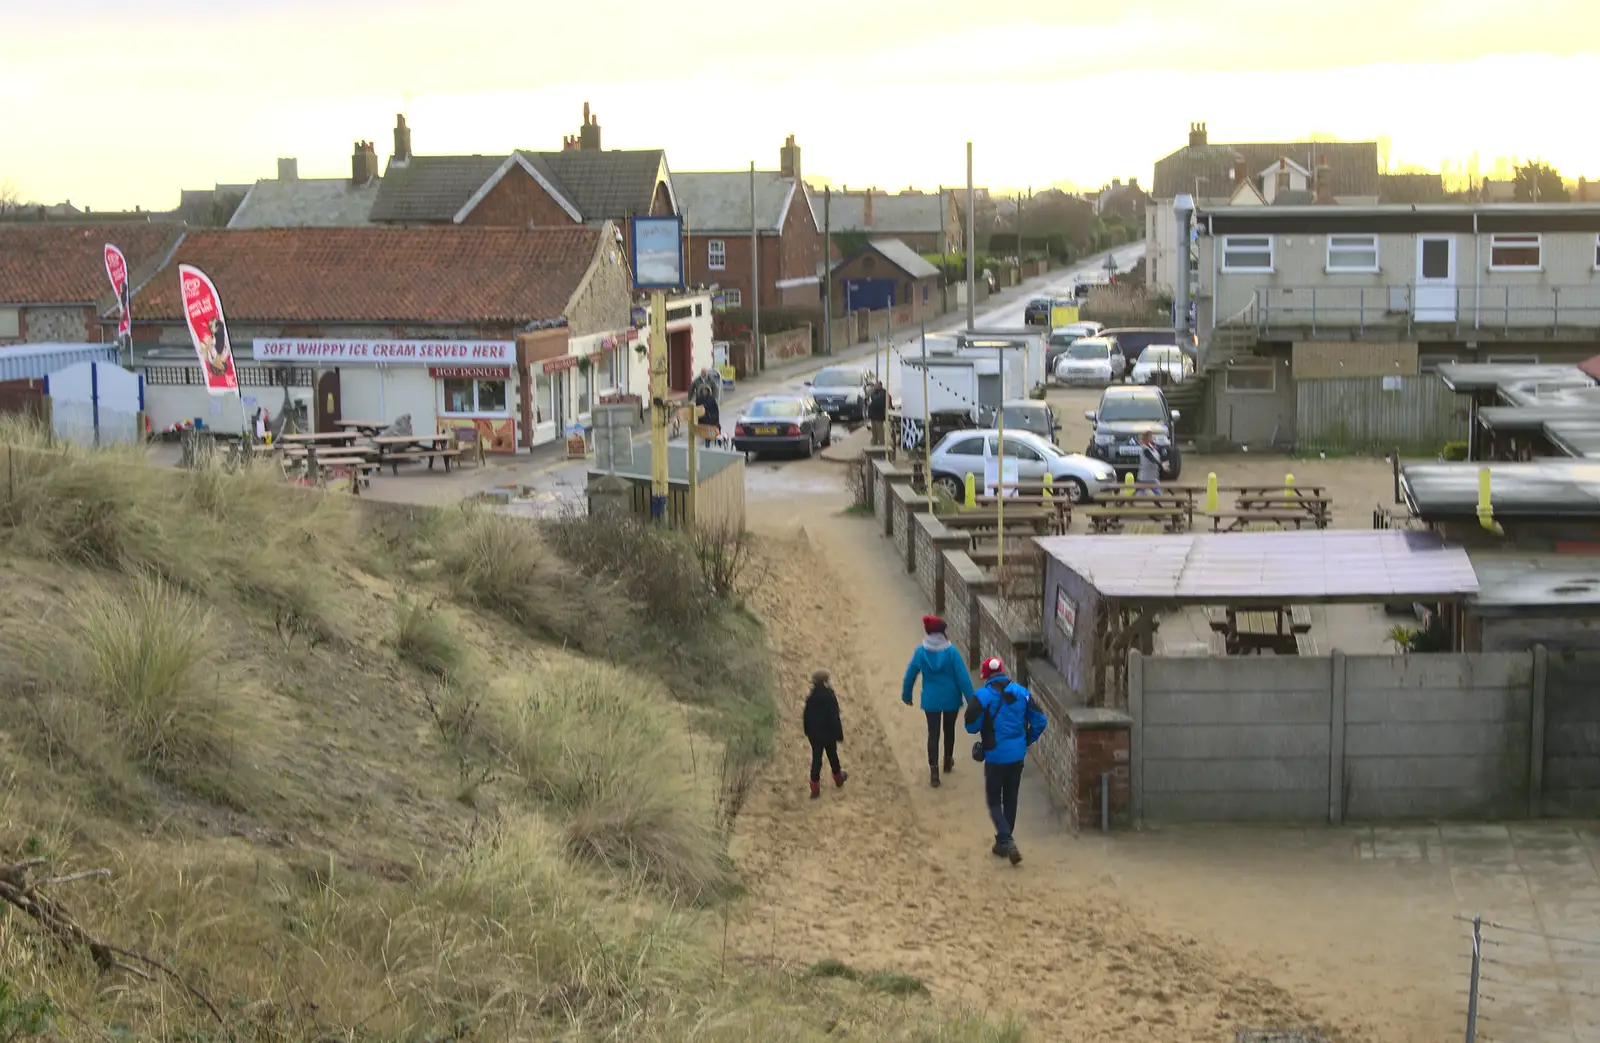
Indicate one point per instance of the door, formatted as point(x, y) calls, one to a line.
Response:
point(679, 360)
point(1435, 294)
point(1030, 464)
point(327, 407)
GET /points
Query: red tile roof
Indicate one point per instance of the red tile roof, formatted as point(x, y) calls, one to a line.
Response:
point(1591, 367)
point(65, 263)
point(447, 274)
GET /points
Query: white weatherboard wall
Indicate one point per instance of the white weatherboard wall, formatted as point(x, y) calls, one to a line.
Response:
point(388, 392)
point(1334, 738)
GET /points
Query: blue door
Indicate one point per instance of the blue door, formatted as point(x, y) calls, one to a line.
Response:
point(868, 294)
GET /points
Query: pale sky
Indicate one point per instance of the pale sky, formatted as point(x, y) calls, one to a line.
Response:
point(112, 103)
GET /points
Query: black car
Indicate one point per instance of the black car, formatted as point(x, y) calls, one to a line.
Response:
point(1125, 414)
point(783, 424)
point(841, 391)
point(1135, 339)
point(1037, 313)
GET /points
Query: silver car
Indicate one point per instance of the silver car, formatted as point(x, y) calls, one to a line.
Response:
point(1097, 361)
point(973, 452)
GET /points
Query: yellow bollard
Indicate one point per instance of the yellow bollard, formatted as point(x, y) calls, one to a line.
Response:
point(1127, 484)
point(1288, 485)
point(1211, 493)
point(971, 497)
point(1049, 485)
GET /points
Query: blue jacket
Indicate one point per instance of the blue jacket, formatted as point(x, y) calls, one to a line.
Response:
point(945, 681)
point(1017, 724)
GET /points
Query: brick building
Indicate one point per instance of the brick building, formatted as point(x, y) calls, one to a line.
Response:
point(53, 284)
point(716, 208)
point(886, 274)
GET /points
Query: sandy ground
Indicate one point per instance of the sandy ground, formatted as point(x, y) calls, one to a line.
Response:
point(1087, 940)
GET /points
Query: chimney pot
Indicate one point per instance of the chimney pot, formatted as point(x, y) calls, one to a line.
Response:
point(589, 133)
point(402, 139)
point(288, 169)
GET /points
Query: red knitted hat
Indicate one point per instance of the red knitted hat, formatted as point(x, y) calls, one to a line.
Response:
point(932, 625)
point(992, 666)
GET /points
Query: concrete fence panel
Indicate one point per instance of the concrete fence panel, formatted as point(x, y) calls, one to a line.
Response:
point(1570, 762)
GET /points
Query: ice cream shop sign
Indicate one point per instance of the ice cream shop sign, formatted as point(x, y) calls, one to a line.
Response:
point(390, 352)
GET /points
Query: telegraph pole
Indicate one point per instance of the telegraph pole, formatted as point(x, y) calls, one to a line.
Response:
point(972, 260)
point(658, 406)
point(827, 271)
point(755, 278)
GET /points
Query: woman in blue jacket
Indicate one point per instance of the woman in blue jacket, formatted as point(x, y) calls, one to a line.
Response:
point(945, 686)
point(1003, 714)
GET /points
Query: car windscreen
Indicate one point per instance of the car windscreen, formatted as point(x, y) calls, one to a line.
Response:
point(1119, 408)
point(1152, 356)
point(837, 378)
point(1138, 340)
point(767, 408)
point(1029, 418)
point(1064, 340)
point(1089, 349)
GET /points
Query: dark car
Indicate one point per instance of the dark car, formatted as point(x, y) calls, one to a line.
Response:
point(1135, 339)
point(1124, 415)
point(1037, 313)
point(783, 424)
point(841, 391)
point(1025, 414)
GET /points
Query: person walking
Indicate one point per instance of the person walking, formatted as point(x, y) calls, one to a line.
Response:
point(824, 729)
point(1150, 463)
point(946, 685)
point(709, 423)
point(877, 410)
point(1002, 713)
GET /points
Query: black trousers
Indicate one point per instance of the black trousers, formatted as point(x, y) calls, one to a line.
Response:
point(817, 750)
point(948, 720)
point(1001, 783)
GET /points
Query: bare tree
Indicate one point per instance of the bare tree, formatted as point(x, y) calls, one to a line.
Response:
point(10, 197)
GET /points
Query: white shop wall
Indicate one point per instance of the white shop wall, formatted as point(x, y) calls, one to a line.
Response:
point(177, 404)
point(388, 392)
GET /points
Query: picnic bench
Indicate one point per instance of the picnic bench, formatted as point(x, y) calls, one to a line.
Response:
point(393, 450)
point(1240, 521)
point(1041, 521)
point(1253, 631)
point(370, 428)
point(1108, 518)
point(1060, 504)
point(323, 438)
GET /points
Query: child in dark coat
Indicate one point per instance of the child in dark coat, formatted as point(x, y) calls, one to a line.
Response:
point(824, 730)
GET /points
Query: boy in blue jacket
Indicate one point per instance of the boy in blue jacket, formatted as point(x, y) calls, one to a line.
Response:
point(945, 686)
point(1002, 712)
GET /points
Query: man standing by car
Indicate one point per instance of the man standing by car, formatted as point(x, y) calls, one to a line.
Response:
point(1003, 714)
point(877, 410)
point(1150, 463)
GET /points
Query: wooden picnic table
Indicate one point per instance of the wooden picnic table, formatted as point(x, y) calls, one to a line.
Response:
point(1041, 520)
point(364, 427)
point(1109, 517)
point(1240, 521)
point(1278, 630)
point(394, 450)
point(321, 437)
point(1060, 504)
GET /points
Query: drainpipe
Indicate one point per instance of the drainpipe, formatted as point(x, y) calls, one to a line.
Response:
point(1211, 233)
point(1477, 272)
point(1485, 505)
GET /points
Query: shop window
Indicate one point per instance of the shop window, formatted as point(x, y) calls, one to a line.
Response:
point(734, 297)
point(1252, 378)
point(474, 396)
point(542, 398)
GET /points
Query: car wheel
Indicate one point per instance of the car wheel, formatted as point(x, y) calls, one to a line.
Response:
point(1175, 461)
point(950, 486)
point(827, 439)
point(811, 446)
point(1077, 492)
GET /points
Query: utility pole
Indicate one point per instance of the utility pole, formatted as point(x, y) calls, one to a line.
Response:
point(827, 271)
point(755, 278)
point(927, 418)
point(972, 260)
point(1000, 461)
point(658, 406)
point(944, 244)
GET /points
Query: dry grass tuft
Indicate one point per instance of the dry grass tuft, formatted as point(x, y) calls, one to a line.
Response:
point(423, 637)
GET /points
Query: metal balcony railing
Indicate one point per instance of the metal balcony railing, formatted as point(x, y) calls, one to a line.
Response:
point(1405, 307)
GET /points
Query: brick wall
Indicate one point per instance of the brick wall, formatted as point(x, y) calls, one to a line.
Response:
point(1101, 740)
point(1056, 754)
point(965, 584)
point(877, 324)
point(606, 302)
point(878, 475)
point(930, 543)
point(518, 201)
point(904, 506)
point(1000, 635)
point(788, 345)
point(893, 476)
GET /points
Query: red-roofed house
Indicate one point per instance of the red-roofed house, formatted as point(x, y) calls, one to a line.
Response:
point(53, 284)
point(375, 323)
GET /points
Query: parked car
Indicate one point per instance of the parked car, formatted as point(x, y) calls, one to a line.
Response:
point(1092, 360)
point(783, 424)
point(1037, 313)
point(961, 453)
point(1026, 414)
point(1134, 339)
point(1162, 364)
point(841, 391)
point(1125, 413)
point(1062, 338)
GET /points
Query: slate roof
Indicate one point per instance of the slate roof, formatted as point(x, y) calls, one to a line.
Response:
point(904, 258)
point(604, 186)
point(892, 215)
point(719, 201)
point(1294, 197)
point(451, 274)
point(1411, 188)
point(431, 188)
point(306, 203)
point(1353, 166)
point(65, 263)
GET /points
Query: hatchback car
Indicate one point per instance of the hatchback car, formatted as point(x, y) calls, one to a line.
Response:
point(841, 391)
point(1092, 360)
point(1062, 337)
point(1037, 313)
point(1125, 414)
point(1163, 364)
point(961, 453)
point(783, 424)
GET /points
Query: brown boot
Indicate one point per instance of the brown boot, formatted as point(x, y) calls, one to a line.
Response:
point(933, 776)
point(949, 765)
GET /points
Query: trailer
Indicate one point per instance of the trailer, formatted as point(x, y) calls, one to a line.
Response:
point(1027, 344)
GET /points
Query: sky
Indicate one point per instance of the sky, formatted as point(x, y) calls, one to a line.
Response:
point(116, 104)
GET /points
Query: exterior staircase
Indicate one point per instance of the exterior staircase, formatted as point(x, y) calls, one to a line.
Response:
point(1192, 398)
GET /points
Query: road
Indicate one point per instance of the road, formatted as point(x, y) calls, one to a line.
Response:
point(572, 476)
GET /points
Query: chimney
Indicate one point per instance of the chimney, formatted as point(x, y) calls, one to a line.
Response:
point(1323, 185)
point(589, 133)
point(789, 160)
point(402, 140)
point(1197, 135)
point(288, 170)
point(1133, 183)
point(363, 164)
point(1116, 182)
point(1241, 171)
point(866, 213)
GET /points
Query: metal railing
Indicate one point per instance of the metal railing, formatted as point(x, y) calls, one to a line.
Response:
point(1528, 985)
point(1406, 306)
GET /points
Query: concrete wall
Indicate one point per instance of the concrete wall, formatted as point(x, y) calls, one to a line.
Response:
point(1244, 412)
point(1570, 780)
point(1330, 739)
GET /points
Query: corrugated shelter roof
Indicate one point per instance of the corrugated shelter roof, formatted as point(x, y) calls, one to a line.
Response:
point(34, 361)
point(502, 276)
point(1512, 419)
point(1540, 489)
point(1576, 438)
point(1566, 393)
point(1467, 377)
point(719, 201)
point(331, 202)
point(707, 463)
point(904, 258)
point(1353, 166)
point(1535, 584)
point(431, 188)
point(1282, 567)
point(65, 263)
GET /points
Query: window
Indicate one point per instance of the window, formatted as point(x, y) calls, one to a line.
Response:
point(734, 298)
point(1596, 259)
point(1247, 253)
point(10, 322)
point(1438, 259)
point(1352, 253)
point(1016, 447)
point(967, 447)
point(1514, 251)
point(716, 254)
point(1135, 406)
point(1514, 360)
point(768, 408)
point(1252, 378)
point(474, 396)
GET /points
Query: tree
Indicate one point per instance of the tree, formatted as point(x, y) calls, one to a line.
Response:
point(10, 198)
point(1538, 182)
